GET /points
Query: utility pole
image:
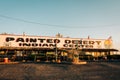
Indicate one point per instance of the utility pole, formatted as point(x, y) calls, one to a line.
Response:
point(56, 52)
point(76, 54)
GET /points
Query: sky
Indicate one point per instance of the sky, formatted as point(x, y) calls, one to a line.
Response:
point(98, 19)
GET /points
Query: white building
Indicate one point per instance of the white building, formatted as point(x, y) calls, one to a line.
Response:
point(24, 44)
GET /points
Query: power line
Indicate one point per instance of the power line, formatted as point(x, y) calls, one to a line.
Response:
point(62, 26)
point(26, 21)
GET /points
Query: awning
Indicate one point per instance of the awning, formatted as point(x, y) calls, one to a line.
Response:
point(99, 50)
point(37, 49)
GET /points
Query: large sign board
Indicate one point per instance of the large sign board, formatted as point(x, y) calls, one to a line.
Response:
point(51, 42)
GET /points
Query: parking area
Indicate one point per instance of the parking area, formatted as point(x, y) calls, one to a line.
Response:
point(54, 71)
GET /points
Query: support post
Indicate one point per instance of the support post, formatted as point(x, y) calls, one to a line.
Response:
point(56, 52)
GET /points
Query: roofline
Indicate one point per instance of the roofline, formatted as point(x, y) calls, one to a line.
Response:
point(49, 36)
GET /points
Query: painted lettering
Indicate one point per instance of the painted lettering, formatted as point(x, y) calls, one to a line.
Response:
point(41, 40)
point(67, 41)
point(91, 42)
point(33, 40)
point(10, 39)
point(98, 42)
point(49, 40)
point(19, 40)
point(56, 41)
point(85, 42)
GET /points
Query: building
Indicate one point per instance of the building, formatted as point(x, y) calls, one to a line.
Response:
point(42, 48)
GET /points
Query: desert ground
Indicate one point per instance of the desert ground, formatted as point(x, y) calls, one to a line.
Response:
point(54, 71)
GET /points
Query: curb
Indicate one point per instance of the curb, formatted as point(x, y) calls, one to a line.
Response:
point(9, 62)
point(81, 62)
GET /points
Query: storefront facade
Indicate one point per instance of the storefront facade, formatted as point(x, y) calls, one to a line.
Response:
point(53, 48)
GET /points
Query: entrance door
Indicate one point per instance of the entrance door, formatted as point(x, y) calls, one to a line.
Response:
point(64, 56)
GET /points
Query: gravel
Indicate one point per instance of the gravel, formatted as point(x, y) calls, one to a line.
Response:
point(52, 71)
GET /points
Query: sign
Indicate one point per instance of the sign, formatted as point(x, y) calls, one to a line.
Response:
point(49, 42)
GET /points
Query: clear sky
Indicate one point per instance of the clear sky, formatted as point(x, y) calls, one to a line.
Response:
point(74, 18)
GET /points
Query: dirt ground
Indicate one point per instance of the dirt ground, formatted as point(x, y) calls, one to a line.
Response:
point(52, 71)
